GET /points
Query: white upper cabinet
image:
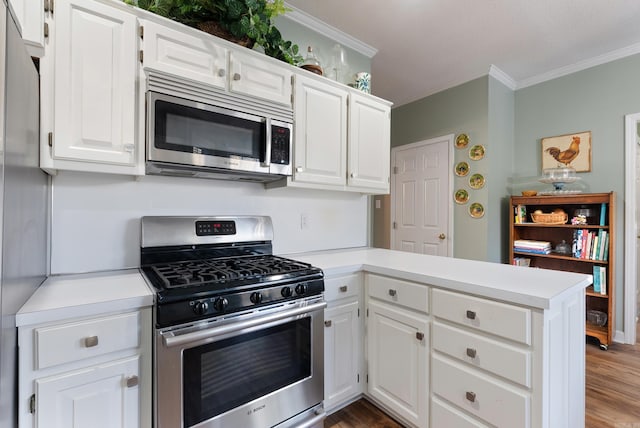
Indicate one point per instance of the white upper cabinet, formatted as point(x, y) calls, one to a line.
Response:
point(369, 143)
point(30, 17)
point(320, 133)
point(94, 81)
point(254, 76)
point(182, 54)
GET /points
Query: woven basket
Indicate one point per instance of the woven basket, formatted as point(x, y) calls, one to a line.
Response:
point(550, 218)
point(214, 28)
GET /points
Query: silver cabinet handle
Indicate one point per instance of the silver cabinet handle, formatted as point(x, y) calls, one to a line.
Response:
point(471, 315)
point(90, 342)
point(419, 335)
point(471, 396)
point(132, 381)
point(299, 169)
point(236, 76)
point(471, 353)
point(392, 292)
point(343, 289)
point(221, 72)
point(327, 323)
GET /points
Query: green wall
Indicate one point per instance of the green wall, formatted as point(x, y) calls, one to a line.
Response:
point(596, 100)
point(462, 109)
point(510, 125)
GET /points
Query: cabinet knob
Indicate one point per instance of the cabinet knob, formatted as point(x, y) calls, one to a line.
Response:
point(343, 289)
point(471, 396)
point(327, 323)
point(442, 236)
point(392, 292)
point(353, 175)
point(471, 353)
point(236, 76)
point(132, 381)
point(222, 72)
point(90, 342)
point(299, 169)
point(419, 335)
point(471, 315)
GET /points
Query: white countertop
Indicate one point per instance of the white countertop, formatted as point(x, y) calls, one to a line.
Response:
point(69, 296)
point(532, 287)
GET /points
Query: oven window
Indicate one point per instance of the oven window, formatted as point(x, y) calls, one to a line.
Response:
point(223, 375)
point(187, 129)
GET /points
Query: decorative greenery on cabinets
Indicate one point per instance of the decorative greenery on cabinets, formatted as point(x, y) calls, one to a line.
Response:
point(246, 22)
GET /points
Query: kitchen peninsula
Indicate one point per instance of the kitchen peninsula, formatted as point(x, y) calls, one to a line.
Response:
point(448, 342)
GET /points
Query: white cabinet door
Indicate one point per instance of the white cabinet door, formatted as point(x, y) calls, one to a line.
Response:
point(30, 17)
point(95, 82)
point(320, 133)
point(96, 397)
point(181, 54)
point(369, 143)
point(259, 78)
point(342, 341)
point(398, 366)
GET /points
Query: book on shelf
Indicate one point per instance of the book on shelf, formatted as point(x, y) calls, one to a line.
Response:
point(603, 214)
point(529, 246)
point(604, 241)
point(596, 279)
point(603, 280)
point(521, 261)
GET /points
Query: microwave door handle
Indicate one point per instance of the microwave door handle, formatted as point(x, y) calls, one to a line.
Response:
point(267, 147)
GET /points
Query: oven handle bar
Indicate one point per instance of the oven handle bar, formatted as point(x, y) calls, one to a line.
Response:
point(178, 340)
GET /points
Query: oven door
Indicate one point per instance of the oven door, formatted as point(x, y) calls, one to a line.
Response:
point(192, 133)
point(253, 371)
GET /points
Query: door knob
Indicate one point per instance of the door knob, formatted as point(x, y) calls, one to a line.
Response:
point(442, 236)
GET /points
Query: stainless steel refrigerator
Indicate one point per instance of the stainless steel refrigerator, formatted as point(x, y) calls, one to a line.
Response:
point(23, 201)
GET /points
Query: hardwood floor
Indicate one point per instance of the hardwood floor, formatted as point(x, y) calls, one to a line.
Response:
point(612, 393)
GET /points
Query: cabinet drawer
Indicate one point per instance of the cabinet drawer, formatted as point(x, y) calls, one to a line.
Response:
point(493, 356)
point(478, 394)
point(85, 339)
point(409, 294)
point(503, 320)
point(342, 287)
point(443, 415)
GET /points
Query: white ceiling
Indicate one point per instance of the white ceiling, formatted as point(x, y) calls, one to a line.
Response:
point(425, 46)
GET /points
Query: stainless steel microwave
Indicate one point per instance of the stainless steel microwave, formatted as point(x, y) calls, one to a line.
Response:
point(188, 137)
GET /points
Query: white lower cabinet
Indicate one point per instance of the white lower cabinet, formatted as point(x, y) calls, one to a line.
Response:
point(103, 396)
point(86, 372)
point(343, 341)
point(398, 350)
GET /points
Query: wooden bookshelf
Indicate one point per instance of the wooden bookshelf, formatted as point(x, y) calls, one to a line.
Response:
point(522, 227)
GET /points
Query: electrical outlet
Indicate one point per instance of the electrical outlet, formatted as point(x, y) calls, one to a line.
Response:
point(304, 221)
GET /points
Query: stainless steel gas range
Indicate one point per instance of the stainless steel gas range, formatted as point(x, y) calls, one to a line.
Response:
point(238, 331)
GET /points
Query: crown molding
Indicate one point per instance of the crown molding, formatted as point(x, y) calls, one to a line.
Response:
point(502, 77)
point(321, 27)
point(581, 65)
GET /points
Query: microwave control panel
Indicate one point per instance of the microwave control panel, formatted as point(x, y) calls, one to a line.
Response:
point(280, 144)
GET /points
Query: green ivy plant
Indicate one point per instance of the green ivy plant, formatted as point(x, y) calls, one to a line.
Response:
point(241, 18)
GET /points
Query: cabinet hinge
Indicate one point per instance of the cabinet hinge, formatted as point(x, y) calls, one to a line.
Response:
point(51, 6)
point(395, 169)
point(291, 98)
point(358, 312)
point(367, 378)
point(395, 225)
point(32, 403)
point(358, 378)
point(141, 57)
point(141, 31)
point(46, 6)
point(293, 80)
point(50, 139)
point(367, 312)
point(45, 31)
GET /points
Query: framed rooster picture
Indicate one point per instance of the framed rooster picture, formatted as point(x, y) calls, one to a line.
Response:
point(570, 150)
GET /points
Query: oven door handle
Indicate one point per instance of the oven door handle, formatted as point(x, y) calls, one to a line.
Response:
point(171, 339)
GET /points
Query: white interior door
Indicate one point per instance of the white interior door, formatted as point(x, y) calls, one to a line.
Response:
point(421, 197)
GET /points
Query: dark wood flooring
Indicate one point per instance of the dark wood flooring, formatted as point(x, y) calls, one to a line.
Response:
point(612, 393)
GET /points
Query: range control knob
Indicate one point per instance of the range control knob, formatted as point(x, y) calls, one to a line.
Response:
point(286, 292)
point(256, 297)
point(201, 308)
point(220, 304)
point(301, 288)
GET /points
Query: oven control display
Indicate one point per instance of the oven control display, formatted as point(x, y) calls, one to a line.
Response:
point(208, 228)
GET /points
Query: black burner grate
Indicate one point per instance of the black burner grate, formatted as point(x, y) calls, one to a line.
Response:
point(196, 272)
